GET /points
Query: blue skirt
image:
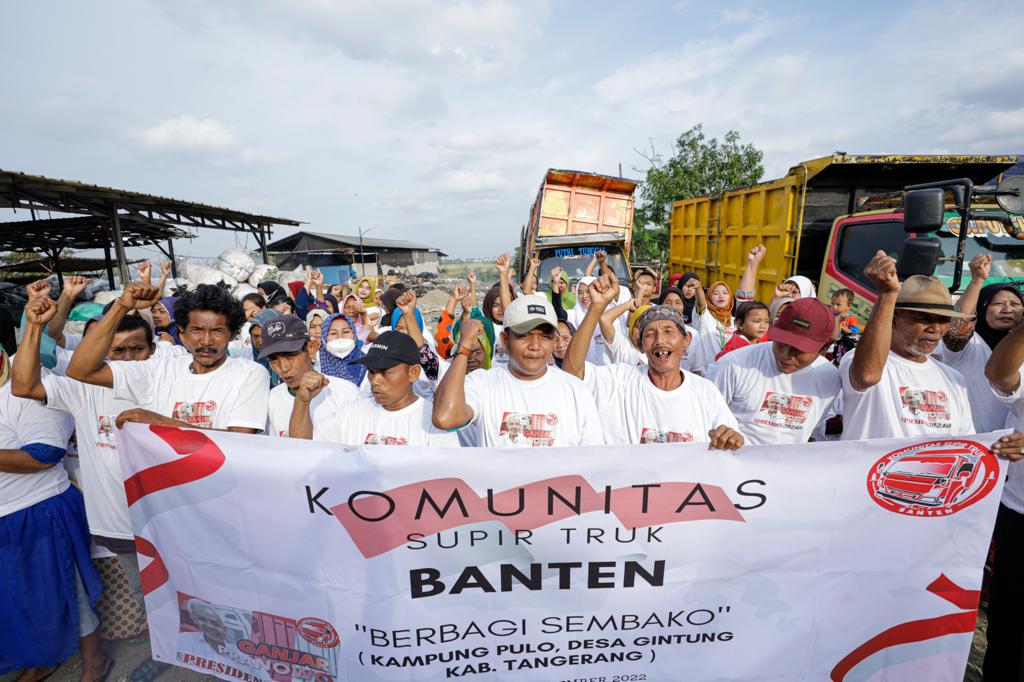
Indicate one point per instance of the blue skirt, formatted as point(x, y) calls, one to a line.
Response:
point(41, 547)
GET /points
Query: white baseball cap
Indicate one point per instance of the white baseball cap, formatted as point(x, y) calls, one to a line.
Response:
point(528, 312)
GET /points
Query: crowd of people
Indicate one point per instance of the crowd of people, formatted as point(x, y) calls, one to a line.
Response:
point(662, 358)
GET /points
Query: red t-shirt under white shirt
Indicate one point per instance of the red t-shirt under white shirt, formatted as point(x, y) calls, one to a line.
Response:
point(234, 394)
point(635, 412)
point(555, 410)
point(773, 407)
point(911, 399)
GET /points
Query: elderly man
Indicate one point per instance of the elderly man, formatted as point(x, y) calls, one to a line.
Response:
point(779, 390)
point(891, 387)
point(656, 403)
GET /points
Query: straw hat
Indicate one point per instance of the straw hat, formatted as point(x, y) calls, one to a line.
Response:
point(927, 295)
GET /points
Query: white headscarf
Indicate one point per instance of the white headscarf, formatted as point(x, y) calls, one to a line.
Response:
point(579, 311)
point(805, 285)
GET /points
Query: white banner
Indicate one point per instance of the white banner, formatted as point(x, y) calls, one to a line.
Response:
point(286, 560)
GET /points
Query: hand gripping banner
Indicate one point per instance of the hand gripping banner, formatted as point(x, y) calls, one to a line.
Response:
point(285, 560)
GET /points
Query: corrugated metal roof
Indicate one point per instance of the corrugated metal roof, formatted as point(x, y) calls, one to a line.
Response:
point(353, 240)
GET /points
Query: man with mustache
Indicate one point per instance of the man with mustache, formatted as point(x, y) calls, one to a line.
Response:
point(885, 378)
point(205, 389)
point(656, 403)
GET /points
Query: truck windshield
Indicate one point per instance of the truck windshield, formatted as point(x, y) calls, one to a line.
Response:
point(983, 236)
point(574, 260)
point(918, 467)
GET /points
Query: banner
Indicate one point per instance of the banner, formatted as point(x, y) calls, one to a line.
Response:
point(286, 560)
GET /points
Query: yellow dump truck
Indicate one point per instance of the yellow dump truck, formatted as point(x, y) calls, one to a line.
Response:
point(827, 217)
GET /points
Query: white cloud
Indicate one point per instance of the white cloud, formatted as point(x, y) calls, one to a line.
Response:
point(187, 133)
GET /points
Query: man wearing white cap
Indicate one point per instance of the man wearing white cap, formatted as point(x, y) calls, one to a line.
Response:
point(529, 404)
point(657, 402)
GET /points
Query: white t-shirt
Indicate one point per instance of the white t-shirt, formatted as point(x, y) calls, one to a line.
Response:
point(1013, 491)
point(234, 394)
point(989, 413)
point(911, 399)
point(23, 422)
point(709, 340)
point(555, 410)
point(330, 403)
point(624, 352)
point(95, 410)
point(770, 406)
point(635, 412)
point(367, 423)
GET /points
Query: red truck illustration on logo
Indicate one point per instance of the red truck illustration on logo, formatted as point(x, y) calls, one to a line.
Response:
point(934, 478)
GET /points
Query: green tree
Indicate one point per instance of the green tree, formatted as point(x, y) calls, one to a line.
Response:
point(699, 165)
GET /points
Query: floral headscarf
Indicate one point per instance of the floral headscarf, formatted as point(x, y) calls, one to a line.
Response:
point(343, 368)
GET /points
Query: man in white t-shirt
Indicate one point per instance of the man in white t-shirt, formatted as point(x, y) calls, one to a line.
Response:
point(206, 389)
point(527, 404)
point(395, 416)
point(780, 390)
point(286, 346)
point(891, 387)
point(656, 403)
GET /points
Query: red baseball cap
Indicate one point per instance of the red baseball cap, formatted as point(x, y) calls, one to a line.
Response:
point(807, 324)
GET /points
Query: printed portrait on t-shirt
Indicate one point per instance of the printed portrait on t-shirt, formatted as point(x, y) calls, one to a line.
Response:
point(784, 411)
point(924, 406)
point(379, 439)
point(105, 431)
point(528, 430)
point(652, 436)
point(199, 414)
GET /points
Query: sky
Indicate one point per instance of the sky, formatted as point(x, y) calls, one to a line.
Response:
point(435, 122)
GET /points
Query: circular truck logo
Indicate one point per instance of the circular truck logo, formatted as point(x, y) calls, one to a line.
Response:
point(318, 632)
point(933, 479)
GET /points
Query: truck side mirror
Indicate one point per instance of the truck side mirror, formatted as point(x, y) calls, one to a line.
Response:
point(923, 210)
point(920, 256)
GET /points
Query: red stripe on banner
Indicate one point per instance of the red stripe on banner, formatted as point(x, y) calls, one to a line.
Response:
point(155, 574)
point(526, 507)
point(919, 630)
point(203, 458)
point(954, 594)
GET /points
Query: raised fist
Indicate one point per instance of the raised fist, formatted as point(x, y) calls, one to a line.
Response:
point(139, 295)
point(882, 271)
point(74, 285)
point(407, 302)
point(38, 289)
point(40, 311)
point(310, 386)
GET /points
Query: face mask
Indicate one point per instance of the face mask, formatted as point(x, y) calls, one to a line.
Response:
point(339, 348)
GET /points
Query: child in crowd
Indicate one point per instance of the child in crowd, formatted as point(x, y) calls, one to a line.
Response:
point(752, 322)
point(842, 302)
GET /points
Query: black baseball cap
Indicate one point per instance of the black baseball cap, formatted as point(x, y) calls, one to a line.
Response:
point(283, 334)
point(389, 349)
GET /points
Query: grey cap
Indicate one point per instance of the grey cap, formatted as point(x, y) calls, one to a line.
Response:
point(283, 334)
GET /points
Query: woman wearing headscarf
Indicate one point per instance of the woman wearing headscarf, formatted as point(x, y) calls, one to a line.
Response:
point(340, 348)
point(353, 307)
point(689, 284)
point(332, 304)
point(364, 291)
point(564, 333)
point(713, 322)
point(599, 352)
point(314, 325)
point(799, 286)
point(485, 342)
point(271, 289)
point(164, 326)
point(565, 300)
